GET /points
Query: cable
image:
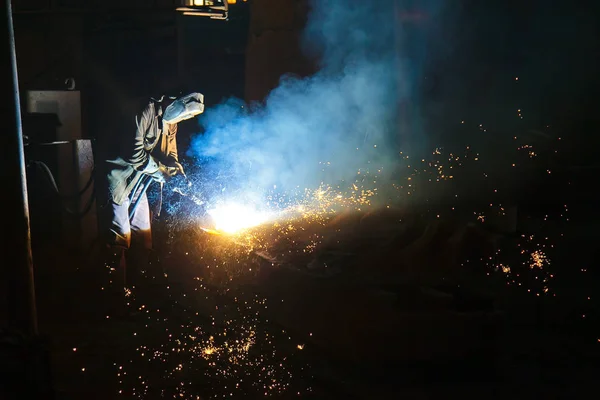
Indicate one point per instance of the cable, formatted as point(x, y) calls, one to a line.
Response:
point(86, 208)
point(52, 183)
point(50, 176)
point(139, 198)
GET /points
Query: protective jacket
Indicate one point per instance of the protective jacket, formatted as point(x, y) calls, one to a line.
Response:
point(153, 148)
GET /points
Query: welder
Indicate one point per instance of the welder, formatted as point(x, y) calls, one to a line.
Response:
point(148, 154)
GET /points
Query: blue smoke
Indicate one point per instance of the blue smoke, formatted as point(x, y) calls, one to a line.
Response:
point(320, 129)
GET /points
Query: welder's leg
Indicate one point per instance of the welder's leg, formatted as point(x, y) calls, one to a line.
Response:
point(119, 238)
point(120, 230)
point(141, 242)
point(141, 229)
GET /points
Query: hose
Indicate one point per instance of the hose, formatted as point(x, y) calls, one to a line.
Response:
point(55, 186)
point(135, 189)
point(52, 182)
point(137, 201)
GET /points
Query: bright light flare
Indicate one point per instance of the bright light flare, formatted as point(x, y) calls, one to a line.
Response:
point(234, 217)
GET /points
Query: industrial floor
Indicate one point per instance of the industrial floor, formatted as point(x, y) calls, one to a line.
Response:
point(285, 330)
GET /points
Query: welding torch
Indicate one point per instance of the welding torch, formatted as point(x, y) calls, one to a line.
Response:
point(187, 193)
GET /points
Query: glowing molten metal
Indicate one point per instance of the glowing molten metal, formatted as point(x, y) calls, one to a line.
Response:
point(233, 217)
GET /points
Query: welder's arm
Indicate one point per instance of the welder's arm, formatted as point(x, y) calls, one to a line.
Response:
point(172, 156)
point(140, 158)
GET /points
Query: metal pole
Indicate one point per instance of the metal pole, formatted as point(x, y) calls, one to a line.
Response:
point(17, 257)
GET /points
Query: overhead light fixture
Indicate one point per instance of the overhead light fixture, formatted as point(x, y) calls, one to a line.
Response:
point(213, 9)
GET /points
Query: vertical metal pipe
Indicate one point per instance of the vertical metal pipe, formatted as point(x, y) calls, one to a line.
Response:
point(22, 313)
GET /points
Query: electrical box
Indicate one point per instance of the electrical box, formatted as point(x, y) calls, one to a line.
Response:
point(70, 160)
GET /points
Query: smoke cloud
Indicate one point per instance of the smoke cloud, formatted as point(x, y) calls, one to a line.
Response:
point(319, 129)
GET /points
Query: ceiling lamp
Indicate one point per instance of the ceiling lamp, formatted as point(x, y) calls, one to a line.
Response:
point(214, 9)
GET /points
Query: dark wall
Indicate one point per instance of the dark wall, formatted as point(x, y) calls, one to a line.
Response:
point(49, 49)
point(466, 59)
point(274, 45)
point(127, 57)
point(212, 54)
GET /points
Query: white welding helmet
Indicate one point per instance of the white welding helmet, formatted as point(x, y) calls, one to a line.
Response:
point(183, 108)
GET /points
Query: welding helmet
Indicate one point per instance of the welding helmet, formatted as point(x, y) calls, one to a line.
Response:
point(183, 108)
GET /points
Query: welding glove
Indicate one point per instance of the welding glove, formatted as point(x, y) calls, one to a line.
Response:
point(179, 168)
point(158, 176)
point(174, 166)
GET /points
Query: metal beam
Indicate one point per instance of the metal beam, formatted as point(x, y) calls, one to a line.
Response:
point(17, 257)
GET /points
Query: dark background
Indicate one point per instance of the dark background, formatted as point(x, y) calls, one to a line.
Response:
point(119, 51)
